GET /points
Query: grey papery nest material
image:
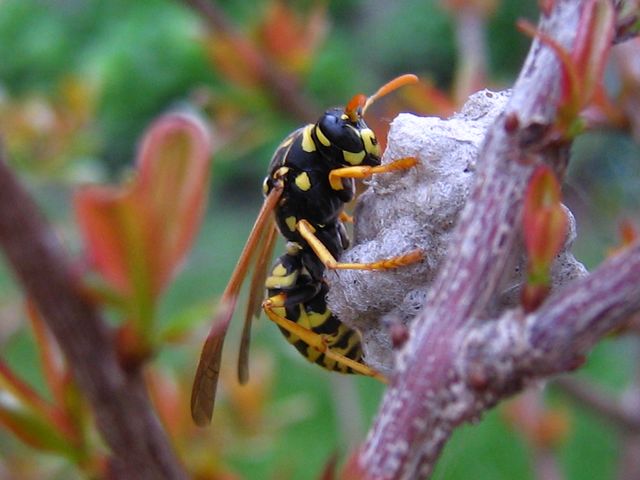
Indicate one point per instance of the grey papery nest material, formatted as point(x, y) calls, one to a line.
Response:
point(418, 208)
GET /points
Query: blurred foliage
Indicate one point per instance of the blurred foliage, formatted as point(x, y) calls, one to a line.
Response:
point(134, 60)
point(80, 80)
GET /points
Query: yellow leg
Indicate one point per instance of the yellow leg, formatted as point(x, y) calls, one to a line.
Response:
point(313, 339)
point(308, 233)
point(364, 171)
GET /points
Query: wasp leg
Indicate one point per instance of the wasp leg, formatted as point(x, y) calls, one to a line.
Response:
point(364, 171)
point(308, 233)
point(314, 340)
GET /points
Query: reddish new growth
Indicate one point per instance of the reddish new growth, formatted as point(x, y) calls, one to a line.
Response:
point(544, 230)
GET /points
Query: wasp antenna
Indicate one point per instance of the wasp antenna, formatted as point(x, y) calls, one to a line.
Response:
point(387, 88)
point(353, 108)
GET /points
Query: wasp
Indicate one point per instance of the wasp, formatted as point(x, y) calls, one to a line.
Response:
point(296, 303)
point(310, 178)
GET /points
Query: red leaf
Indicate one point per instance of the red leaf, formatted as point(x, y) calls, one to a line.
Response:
point(55, 370)
point(236, 58)
point(593, 43)
point(138, 233)
point(628, 233)
point(542, 426)
point(627, 63)
point(583, 66)
point(329, 469)
point(30, 417)
point(533, 295)
point(110, 221)
point(544, 220)
point(290, 39)
point(32, 429)
point(174, 164)
point(544, 228)
point(352, 469)
point(546, 6)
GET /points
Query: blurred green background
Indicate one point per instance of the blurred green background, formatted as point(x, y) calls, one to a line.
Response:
point(81, 80)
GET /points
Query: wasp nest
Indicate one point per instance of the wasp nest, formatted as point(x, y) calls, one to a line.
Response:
point(418, 208)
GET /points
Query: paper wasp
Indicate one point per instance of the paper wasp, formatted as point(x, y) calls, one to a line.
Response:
point(311, 178)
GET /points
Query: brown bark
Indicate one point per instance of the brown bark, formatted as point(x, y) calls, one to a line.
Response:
point(124, 415)
point(455, 366)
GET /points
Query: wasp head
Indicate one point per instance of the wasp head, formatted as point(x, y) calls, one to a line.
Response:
point(343, 136)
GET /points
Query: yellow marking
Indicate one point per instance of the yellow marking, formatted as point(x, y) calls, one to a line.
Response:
point(353, 158)
point(371, 145)
point(280, 311)
point(303, 318)
point(317, 319)
point(344, 116)
point(322, 137)
point(279, 270)
point(293, 248)
point(315, 341)
point(313, 354)
point(329, 363)
point(281, 281)
point(281, 172)
point(303, 182)
point(291, 223)
point(265, 186)
point(308, 145)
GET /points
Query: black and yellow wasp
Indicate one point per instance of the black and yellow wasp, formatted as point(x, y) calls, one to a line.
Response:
point(311, 178)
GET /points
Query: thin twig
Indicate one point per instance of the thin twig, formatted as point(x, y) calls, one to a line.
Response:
point(623, 413)
point(472, 62)
point(124, 415)
point(284, 89)
point(602, 403)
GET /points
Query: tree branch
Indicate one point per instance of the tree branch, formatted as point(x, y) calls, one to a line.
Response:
point(457, 362)
point(508, 353)
point(124, 414)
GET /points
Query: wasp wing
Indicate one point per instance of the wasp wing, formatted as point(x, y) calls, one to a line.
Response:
point(254, 304)
point(256, 295)
point(206, 378)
